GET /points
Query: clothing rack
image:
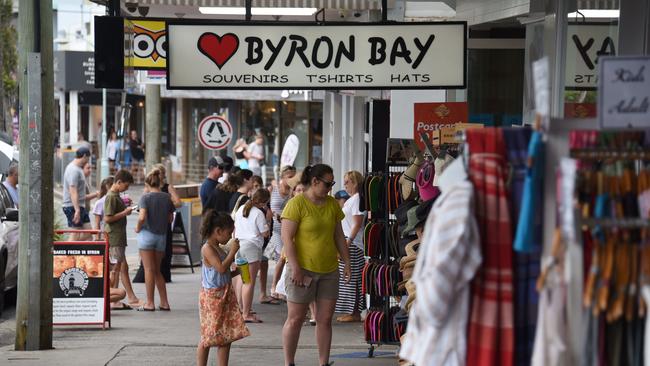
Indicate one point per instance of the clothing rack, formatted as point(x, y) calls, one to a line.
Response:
point(385, 304)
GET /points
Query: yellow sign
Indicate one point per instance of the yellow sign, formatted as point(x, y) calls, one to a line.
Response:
point(149, 45)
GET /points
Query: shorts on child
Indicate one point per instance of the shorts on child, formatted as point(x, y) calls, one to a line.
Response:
point(250, 251)
point(116, 254)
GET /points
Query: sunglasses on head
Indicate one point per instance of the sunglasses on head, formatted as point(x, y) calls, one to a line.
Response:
point(327, 183)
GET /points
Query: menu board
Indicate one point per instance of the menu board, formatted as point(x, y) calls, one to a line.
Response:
point(80, 283)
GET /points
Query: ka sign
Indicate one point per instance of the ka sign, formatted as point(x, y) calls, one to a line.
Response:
point(306, 56)
point(585, 44)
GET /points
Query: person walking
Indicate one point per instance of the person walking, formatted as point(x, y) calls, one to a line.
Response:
point(221, 320)
point(74, 194)
point(115, 214)
point(279, 197)
point(256, 154)
point(251, 227)
point(112, 148)
point(352, 301)
point(137, 156)
point(312, 237)
point(156, 214)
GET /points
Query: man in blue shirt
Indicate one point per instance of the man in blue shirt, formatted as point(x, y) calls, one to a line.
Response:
point(11, 183)
point(217, 165)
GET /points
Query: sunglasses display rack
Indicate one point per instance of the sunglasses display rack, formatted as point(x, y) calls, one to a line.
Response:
point(380, 197)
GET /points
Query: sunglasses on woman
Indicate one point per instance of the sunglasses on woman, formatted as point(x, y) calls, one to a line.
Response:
point(327, 183)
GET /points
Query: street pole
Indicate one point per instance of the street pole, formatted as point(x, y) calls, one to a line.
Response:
point(36, 110)
point(103, 164)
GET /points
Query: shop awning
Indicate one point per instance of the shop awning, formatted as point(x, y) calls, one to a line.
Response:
point(320, 4)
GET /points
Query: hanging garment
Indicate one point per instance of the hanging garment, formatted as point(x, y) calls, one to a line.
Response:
point(491, 332)
point(551, 346)
point(527, 264)
point(447, 261)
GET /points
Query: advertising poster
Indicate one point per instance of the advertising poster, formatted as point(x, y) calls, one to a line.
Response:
point(79, 283)
point(148, 46)
point(431, 117)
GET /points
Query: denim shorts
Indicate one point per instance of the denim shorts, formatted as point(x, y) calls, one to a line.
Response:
point(69, 214)
point(150, 241)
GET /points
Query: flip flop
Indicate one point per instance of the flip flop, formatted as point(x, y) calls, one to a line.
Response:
point(253, 321)
point(122, 306)
point(270, 301)
point(137, 304)
point(142, 308)
point(164, 309)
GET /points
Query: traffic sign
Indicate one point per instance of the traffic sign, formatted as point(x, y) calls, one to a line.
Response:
point(215, 133)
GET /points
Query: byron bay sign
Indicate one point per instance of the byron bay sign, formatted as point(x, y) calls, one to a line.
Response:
point(306, 56)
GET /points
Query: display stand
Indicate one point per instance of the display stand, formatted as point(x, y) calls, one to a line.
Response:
point(386, 257)
point(81, 294)
point(183, 245)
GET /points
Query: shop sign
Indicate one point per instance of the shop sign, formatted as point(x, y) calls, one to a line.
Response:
point(309, 56)
point(74, 70)
point(80, 283)
point(148, 45)
point(585, 44)
point(215, 133)
point(433, 117)
point(624, 92)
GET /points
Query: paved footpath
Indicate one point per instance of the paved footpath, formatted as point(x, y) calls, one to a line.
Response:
point(169, 338)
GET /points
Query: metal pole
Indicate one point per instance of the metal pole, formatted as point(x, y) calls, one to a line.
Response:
point(103, 165)
point(34, 303)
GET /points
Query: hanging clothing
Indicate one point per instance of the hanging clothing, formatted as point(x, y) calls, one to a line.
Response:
point(527, 265)
point(551, 343)
point(448, 258)
point(277, 204)
point(351, 297)
point(491, 328)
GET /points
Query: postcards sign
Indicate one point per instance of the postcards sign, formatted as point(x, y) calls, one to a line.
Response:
point(363, 56)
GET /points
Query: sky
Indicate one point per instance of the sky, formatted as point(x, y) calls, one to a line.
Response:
point(72, 16)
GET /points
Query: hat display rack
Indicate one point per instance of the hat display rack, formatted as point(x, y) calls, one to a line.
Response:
point(380, 196)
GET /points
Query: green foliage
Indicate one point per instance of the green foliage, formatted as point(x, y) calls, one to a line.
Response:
point(8, 40)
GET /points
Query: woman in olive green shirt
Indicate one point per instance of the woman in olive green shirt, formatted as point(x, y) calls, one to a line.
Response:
point(312, 237)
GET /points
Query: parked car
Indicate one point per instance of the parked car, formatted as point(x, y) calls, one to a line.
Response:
point(9, 234)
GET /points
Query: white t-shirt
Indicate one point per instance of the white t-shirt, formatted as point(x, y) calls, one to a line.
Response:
point(350, 209)
point(98, 210)
point(252, 227)
point(111, 149)
point(255, 149)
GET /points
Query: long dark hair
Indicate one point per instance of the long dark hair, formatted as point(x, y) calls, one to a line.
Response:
point(260, 196)
point(232, 183)
point(315, 171)
point(212, 220)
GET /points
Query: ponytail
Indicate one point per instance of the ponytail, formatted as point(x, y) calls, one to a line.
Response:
point(260, 196)
point(213, 219)
point(314, 171)
point(154, 179)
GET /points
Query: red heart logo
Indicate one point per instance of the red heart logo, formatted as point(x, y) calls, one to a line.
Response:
point(219, 49)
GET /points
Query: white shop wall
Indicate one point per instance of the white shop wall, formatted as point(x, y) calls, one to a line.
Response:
point(402, 104)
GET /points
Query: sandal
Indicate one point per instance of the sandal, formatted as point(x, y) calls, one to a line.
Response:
point(270, 301)
point(122, 306)
point(164, 309)
point(142, 308)
point(253, 320)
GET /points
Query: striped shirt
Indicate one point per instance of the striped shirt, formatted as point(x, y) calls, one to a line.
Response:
point(447, 261)
point(277, 203)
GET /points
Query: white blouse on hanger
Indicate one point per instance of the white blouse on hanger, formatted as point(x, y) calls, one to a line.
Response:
point(448, 258)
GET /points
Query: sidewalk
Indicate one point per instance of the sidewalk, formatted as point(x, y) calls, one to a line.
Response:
point(170, 338)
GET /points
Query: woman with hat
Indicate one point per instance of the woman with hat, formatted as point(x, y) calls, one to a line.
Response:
point(352, 301)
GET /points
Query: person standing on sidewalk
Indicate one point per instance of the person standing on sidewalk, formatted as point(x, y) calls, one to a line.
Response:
point(221, 320)
point(216, 168)
point(279, 197)
point(74, 194)
point(352, 301)
point(115, 213)
point(251, 227)
point(137, 156)
point(312, 237)
point(98, 209)
point(156, 214)
point(88, 171)
point(256, 155)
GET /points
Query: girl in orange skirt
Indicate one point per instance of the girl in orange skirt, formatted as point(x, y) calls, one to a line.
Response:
point(221, 320)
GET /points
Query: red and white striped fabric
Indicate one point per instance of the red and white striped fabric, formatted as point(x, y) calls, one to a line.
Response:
point(491, 324)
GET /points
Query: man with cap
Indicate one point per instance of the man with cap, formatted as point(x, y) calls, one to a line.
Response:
point(217, 165)
point(74, 193)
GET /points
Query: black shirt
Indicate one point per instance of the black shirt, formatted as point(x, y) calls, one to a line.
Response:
point(219, 200)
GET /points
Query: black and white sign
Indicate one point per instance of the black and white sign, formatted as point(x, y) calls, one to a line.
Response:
point(74, 70)
point(215, 133)
point(624, 92)
point(585, 44)
point(80, 284)
point(309, 56)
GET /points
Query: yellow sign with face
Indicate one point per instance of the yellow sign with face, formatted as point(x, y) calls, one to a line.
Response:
point(148, 46)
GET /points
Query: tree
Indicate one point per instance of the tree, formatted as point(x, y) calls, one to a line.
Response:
point(8, 62)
